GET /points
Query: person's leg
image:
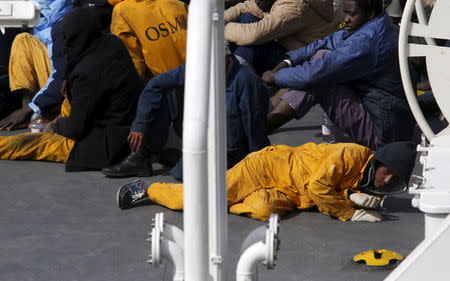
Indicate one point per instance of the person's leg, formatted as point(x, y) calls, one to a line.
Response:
point(247, 53)
point(260, 57)
point(263, 202)
point(36, 146)
point(29, 64)
point(246, 120)
point(156, 135)
point(169, 195)
point(345, 110)
point(29, 69)
point(256, 186)
point(293, 104)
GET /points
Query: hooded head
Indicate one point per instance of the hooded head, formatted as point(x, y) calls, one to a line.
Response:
point(80, 29)
point(101, 8)
point(392, 168)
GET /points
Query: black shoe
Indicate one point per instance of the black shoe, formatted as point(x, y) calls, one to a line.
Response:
point(131, 193)
point(134, 165)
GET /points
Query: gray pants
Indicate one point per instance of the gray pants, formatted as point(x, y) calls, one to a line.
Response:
point(341, 104)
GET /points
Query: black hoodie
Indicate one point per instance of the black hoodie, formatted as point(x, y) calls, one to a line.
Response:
point(103, 87)
point(400, 158)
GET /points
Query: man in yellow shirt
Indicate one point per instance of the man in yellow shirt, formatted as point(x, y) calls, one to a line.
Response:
point(154, 32)
point(341, 180)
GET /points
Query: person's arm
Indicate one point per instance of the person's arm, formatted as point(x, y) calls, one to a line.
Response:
point(121, 28)
point(336, 163)
point(150, 99)
point(354, 60)
point(298, 57)
point(305, 53)
point(280, 22)
point(150, 103)
point(250, 7)
point(86, 97)
point(50, 96)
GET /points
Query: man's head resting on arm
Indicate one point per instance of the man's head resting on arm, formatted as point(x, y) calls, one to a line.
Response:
point(359, 12)
point(387, 174)
point(391, 169)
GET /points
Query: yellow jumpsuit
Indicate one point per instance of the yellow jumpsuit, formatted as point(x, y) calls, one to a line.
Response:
point(29, 63)
point(154, 32)
point(38, 146)
point(279, 179)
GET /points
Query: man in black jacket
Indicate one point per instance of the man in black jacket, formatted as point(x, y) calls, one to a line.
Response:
point(102, 89)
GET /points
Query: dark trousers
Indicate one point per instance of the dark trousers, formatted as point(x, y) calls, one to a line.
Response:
point(342, 105)
point(170, 113)
point(261, 57)
point(246, 121)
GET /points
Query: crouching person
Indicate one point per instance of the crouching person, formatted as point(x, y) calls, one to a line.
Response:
point(161, 104)
point(341, 180)
point(102, 89)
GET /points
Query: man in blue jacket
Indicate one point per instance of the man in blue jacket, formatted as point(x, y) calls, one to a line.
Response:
point(161, 104)
point(353, 74)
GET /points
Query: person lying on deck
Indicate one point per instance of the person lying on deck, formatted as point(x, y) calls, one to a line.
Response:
point(342, 180)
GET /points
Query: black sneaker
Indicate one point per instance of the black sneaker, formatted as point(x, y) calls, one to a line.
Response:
point(130, 193)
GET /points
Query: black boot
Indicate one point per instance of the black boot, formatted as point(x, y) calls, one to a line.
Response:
point(134, 165)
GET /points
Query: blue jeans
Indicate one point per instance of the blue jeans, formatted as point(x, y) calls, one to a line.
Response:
point(246, 121)
point(261, 57)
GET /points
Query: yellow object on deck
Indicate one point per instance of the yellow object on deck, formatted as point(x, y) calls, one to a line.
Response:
point(378, 257)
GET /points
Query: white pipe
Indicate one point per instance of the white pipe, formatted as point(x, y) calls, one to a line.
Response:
point(173, 233)
point(247, 268)
point(257, 234)
point(174, 255)
point(217, 201)
point(404, 71)
point(196, 103)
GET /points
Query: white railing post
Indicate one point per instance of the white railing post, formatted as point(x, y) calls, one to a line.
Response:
point(195, 164)
point(217, 197)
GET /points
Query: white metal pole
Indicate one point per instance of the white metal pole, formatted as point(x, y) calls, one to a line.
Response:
point(195, 140)
point(403, 50)
point(218, 225)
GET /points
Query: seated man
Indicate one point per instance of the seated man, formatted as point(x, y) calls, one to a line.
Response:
point(353, 74)
point(102, 89)
point(161, 103)
point(339, 179)
point(154, 32)
point(30, 65)
point(265, 30)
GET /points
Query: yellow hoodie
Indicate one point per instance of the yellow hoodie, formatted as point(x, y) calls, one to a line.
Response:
point(154, 32)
